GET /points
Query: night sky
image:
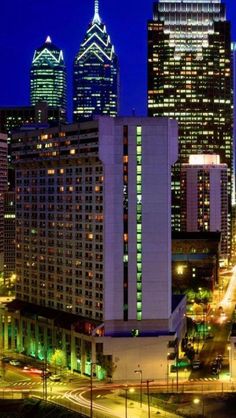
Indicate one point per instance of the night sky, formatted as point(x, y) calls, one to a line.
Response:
point(25, 24)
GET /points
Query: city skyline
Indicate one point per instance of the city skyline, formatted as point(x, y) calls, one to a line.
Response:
point(34, 22)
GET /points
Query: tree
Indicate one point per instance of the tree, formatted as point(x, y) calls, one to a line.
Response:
point(106, 364)
point(58, 359)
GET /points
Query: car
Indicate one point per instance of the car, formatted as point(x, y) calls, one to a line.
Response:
point(15, 363)
point(219, 357)
point(173, 368)
point(35, 370)
point(55, 378)
point(196, 364)
point(46, 374)
point(209, 336)
point(219, 360)
point(215, 368)
point(6, 359)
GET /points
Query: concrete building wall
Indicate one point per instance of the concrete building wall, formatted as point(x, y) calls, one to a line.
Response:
point(3, 188)
point(159, 152)
point(148, 354)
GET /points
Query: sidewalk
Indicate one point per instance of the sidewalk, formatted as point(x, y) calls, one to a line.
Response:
point(118, 404)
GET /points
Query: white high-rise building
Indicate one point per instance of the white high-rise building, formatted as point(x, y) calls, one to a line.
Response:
point(93, 232)
point(3, 188)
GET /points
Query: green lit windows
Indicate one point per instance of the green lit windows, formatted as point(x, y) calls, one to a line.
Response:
point(139, 220)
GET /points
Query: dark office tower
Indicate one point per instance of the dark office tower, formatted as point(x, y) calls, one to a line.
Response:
point(96, 74)
point(48, 76)
point(189, 78)
point(233, 58)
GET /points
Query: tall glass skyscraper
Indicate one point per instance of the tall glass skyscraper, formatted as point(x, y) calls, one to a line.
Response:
point(189, 78)
point(96, 74)
point(48, 76)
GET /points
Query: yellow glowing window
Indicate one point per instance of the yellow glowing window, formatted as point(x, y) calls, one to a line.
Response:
point(72, 151)
point(51, 171)
point(180, 270)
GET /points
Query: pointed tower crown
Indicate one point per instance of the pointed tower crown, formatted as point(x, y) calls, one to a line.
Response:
point(48, 40)
point(96, 17)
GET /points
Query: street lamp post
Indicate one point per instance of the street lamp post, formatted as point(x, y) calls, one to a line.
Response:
point(131, 390)
point(140, 372)
point(126, 402)
point(148, 398)
point(91, 388)
point(177, 367)
point(197, 401)
point(167, 372)
point(230, 361)
point(45, 375)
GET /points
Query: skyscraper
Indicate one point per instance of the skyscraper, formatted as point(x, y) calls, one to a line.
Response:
point(48, 76)
point(189, 78)
point(96, 73)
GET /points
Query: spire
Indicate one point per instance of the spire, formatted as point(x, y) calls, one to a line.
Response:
point(96, 17)
point(48, 40)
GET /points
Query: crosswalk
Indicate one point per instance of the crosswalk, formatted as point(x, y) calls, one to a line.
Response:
point(54, 397)
point(29, 383)
point(205, 379)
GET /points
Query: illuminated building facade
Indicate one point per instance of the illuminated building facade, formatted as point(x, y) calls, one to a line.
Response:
point(93, 237)
point(3, 188)
point(96, 74)
point(189, 79)
point(195, 260)
point(9, 235)
point(48, 76)
point(14, 117)
point(233, 52)
point(11, 120)
point(204, 200)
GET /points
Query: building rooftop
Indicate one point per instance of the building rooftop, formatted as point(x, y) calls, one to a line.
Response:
point(211, 236)
point(60, 319)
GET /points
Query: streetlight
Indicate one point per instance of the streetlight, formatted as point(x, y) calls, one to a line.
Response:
point(167, 371)
point(230, 361)
point(130, 390)
point(197, 401)
point(45, 375)
point(91, 388)
point(148, 397)
point(177, 365)
point(141, 383)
